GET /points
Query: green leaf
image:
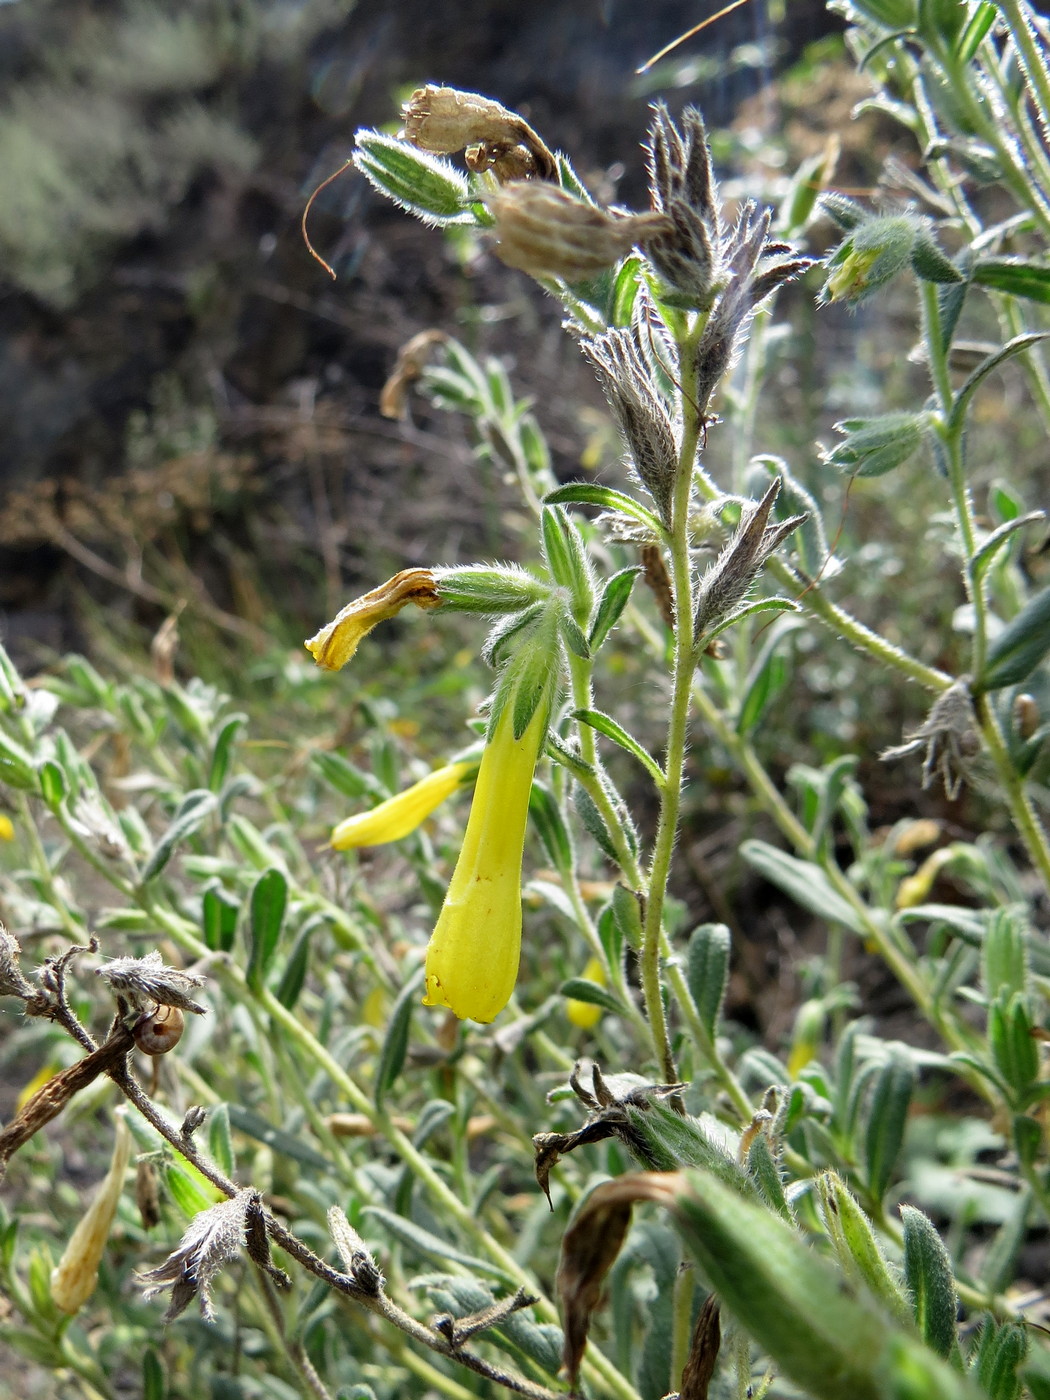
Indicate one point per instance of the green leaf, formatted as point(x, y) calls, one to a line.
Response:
point(395, 1042)
point(583, 494)
point(425, 185)
point(219, 912)
point(193, 811)
point(1017, 346)
point(253, 1125)
point(294, 974)
point(430, 1246)
point(594, 822)
point(1019, 647)
point(757, 605)
point(615, 596)
point(941, 20)
point(805, 882)
point(929, 262)
point(154, 1383)
point(268, 901)
point(549, 823)
point(887, 1117)
point(222, 752)
point(583, 989)
point(999, 1265)
point(1017, 277)
point(220, 1144)
point(52, 784)
point(982, 17)
point(985, 555)
point(765, 680)
point(605, 724)
point(931, 1282)
point(342, 775)
point(707, 972)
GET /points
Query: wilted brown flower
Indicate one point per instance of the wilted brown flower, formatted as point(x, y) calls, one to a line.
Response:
point(148, 980)
point(334, 645)
point(950, 737)
point(445, 120)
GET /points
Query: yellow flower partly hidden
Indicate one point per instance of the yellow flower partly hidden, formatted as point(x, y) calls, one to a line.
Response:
point(585, 1014)
point(334, 645)
point(402, 813)
point(74, 1277)
point(472, 957)
point(7, 828)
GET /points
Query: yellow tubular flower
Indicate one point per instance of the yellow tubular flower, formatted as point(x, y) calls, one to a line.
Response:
point(74, 1277)
point(402, 813)
point(472, 957)
point(585, 1014)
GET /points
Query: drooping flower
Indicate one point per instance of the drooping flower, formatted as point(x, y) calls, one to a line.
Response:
point(472, 957)
point(334, 645)
point(74, 1277)
point(402, 813)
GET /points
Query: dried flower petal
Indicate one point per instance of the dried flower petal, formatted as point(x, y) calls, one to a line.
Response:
point(950, 738)
point(445, 120)
point(74, 1277)
point(336, 643)
point(213, 1239)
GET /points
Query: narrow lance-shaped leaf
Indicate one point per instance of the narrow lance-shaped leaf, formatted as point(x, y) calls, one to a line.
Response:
point(805, 882)
point(887, 1115)
point(395, 1042)
point(193, 811)
point(269, 897)
point(707, 972)
point(1019, 647)
point(605, 724)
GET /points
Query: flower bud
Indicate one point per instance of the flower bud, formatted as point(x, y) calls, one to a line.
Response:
point(547, 232)
point(74, 1277)
point(874, 253)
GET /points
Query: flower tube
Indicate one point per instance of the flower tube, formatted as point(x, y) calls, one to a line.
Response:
point(402, 813)
point(472, 957)
point(74, 1277)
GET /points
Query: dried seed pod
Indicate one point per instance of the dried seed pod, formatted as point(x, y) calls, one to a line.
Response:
point(1026, 715)
point(160, 1031)
point(548, 232)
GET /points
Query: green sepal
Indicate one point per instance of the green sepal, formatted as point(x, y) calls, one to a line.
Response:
point(846, 213)
point(1004, 955)
point(707, 972)
point(930, 1279)
point(887, 1116)
point(52, 783)
point(874, 446)
point(489, 590)
point(426, 185)
point(1019, 647)
point(856, 1247)
point(1001, 1349)
point(765, 1174)
point(929, 262)
point(982, 17)
point(627, 911)
point(1014, 1051)
point(565, 555)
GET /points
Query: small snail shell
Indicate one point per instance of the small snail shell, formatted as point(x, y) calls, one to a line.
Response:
point(160, 1031)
